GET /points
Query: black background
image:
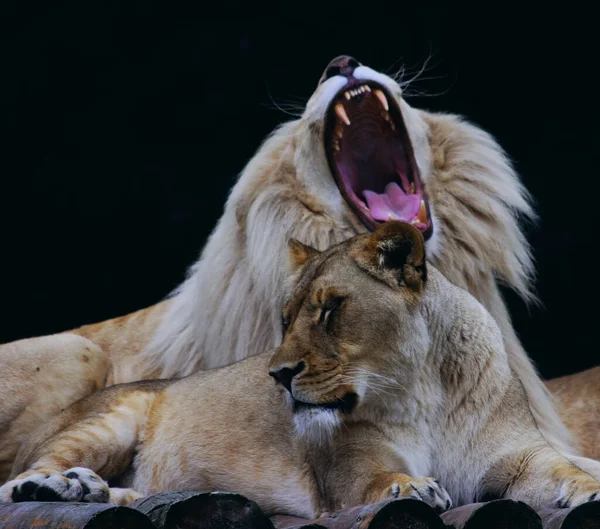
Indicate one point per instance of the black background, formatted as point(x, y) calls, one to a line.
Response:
point(127, 122)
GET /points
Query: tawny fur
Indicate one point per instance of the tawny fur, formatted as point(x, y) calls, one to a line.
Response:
point(435, 396)
point(228, 307)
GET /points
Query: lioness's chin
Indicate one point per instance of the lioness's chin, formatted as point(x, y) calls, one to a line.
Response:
point(317, 424)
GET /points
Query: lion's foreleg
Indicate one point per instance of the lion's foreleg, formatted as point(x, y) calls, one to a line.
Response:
point(39, 378)
point(99, 442)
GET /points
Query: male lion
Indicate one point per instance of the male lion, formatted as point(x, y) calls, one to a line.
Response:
point(392, 374)
point(359, 155)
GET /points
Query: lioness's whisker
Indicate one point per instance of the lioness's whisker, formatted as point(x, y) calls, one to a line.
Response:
point(382, 381)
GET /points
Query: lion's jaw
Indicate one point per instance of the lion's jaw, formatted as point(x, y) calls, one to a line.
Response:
point(361, 142)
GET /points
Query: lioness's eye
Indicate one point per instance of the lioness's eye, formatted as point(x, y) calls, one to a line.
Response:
point(285, 323)
point(329, 308)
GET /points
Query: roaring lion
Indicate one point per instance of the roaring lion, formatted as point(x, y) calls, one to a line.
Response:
point(387, 374)
point(359, 155)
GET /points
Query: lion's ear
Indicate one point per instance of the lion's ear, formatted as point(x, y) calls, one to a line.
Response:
point(299, 253)
point(396, 251)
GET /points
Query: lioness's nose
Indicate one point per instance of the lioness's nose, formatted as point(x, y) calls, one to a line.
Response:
point(285, 375)
point(342, 65)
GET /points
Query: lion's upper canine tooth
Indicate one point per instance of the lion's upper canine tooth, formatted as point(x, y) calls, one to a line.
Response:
point(382, 99)
point(347, 95)
point(341, 113)
point(422, 215)
point(367, 88)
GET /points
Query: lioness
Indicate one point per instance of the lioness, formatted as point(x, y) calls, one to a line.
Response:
point(359, 155)
point(387, 374)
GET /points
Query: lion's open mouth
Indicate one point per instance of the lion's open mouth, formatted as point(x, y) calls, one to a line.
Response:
point(372, 160)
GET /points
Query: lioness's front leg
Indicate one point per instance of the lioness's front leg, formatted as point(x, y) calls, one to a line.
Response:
point(98, 434)
point(367, 471)
point(541, 477)
point(398, 485)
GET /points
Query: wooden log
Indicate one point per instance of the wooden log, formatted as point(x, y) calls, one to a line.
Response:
point(302, 523)
point(389, 514)
point(585, 516)
point(282, 521)
point(497, 514)
point(194, 510)
point(57, 515)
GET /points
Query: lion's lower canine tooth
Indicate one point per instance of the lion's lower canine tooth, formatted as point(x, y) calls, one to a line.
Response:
point(422, 215)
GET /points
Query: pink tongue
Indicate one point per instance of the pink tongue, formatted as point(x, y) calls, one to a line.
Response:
point(393, 204)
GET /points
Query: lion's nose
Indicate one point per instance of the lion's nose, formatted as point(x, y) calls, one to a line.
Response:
point(284, 375)
point(342, 65)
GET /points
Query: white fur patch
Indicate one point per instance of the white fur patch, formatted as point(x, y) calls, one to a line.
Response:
point(317, 424)
point(367, 74)
point(325, 94)
point(432, 245)
point(95, 490)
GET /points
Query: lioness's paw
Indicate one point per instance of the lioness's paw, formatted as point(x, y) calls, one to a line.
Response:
point(426, 489)
point(76, 484)
point(95, 490)
point(572, 495)
point(124, 496)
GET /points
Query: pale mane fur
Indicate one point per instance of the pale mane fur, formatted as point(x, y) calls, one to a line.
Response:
point(228, 307)
point(437, 414)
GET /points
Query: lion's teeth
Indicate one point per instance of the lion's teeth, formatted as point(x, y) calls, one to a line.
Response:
point(341, 113)
point(347, 95)
point(422, 215)
point(367, 88)
point(382, 99)
point(411, 188)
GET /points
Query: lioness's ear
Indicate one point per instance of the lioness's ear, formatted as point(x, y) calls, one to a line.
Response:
point(396, 251)
point(299, 253)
